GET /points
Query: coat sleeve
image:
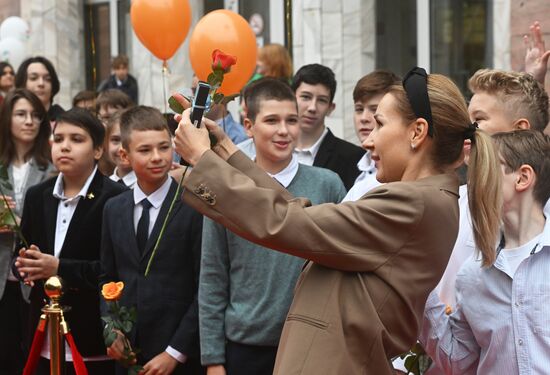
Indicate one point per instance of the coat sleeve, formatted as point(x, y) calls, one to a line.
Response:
point(353, 236)
point(107, 256)
point(213, 292)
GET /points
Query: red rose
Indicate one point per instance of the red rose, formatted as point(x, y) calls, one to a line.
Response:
point(222, 61)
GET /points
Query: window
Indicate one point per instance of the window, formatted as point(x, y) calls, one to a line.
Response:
point(396, 45)
point(460, 39)
point(102, 40)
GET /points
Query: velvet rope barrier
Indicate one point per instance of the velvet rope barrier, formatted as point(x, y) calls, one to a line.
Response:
point(53, 315)
point(36, 349)
point(78, 362)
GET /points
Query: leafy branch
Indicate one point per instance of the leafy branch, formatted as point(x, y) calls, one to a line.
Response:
point(7, 217)
point(120, 322)
point(417, 362)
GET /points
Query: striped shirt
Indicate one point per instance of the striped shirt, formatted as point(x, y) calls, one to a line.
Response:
point(501, 324)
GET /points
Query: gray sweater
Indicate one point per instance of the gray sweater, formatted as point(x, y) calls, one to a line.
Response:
point(245, 290)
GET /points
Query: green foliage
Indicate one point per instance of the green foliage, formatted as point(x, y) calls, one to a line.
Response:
point(7, 217)
point(417, 362)
point(175, 105)
point(217, 98)
point(5, 184)
point(227, 98)
point(120, 322)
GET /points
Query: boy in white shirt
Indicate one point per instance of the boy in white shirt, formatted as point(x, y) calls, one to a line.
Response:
point(501, 321)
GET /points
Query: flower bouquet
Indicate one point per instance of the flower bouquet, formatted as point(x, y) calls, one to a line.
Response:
point(221, 65)
point(119, 324)
point(7, 216)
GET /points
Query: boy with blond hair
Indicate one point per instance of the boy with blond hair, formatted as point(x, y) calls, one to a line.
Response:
point(505, 101)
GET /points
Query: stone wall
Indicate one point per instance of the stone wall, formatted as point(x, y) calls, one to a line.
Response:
point(57, 32)
point(340, 35)
point(523, 14)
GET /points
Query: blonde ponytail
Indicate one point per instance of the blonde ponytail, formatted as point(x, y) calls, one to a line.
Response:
point(485, 195)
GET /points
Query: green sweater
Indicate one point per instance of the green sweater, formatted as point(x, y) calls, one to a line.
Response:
point(245, 290)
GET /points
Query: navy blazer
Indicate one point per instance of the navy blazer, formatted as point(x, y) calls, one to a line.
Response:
point(166, 300)
point(79, 265)
point(339, 156)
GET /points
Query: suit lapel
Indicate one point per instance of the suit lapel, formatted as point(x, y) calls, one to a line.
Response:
point(51, 204)
point(325, 150)
point(83, 208)
point(127, 223)
point(36, 174)
point(160, 220)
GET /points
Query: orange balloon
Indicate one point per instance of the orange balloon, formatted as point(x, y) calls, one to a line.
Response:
point(161, 25)
point(230, 33)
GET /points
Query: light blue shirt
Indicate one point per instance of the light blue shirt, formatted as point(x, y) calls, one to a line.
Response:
point(501, 324)
point(233, 129)
point(248, 148)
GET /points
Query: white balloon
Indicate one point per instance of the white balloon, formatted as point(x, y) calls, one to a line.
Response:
point(15, 27)
point(12, 50)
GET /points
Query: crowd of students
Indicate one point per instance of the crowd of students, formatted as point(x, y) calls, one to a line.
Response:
point(92, 187)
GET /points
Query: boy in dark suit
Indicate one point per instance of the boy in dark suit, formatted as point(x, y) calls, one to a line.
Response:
point(62, 220)
point(315, 86)
point(166, 331)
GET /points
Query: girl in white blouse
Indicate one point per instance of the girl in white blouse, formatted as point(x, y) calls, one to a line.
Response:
point(25, 153)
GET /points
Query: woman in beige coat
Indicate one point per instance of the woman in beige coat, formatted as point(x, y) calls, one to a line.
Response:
point(373, 262)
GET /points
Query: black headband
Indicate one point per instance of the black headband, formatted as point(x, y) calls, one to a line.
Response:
point(415, 84)
point(470, 132)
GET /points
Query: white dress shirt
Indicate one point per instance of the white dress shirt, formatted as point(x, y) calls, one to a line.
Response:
point(129, 179)
point(286, 176)
point(366, 180)
point(501, 324)
point(463, 249)
point(156, 199)
point(66, 208)
point(307, 155)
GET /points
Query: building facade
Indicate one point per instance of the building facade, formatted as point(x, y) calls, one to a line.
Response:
point(353, 37)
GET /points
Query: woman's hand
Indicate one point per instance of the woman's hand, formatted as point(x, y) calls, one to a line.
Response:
point(191, 142)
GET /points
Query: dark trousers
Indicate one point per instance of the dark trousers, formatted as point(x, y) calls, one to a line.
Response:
point(93, 367)
point(12, 318)
point(242, 359)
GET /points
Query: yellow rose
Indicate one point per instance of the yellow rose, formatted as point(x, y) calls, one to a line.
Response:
point(112, 291)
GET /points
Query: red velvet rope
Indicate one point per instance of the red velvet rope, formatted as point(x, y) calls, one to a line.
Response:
point(78, 362)
point(36, 348)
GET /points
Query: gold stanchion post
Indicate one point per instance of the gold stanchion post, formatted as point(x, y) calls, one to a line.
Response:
point(56, 325)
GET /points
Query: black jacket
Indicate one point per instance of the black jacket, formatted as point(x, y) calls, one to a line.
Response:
point(129, 87)
point(165, 299)
point(340, 157)
point(79, 266)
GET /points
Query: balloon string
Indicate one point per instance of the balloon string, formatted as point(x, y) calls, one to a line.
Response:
point(288, 21)
point(164, 78)
point(92, 43)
